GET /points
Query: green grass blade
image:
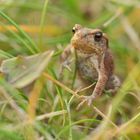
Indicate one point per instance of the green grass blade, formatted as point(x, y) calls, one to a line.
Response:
point(9, 135)
point(4, 54)
point(14, 93)
point(17, 36)
point(34, 47)
point(60, 94)
point(42, 23)
point(70, 121)
point(75, 123)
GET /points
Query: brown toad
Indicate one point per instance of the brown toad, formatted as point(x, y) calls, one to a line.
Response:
point(94, 60)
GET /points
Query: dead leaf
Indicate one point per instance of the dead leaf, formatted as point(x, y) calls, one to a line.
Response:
point(21, 71)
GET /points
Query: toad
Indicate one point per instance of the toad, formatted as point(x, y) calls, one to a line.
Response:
point(94, 60)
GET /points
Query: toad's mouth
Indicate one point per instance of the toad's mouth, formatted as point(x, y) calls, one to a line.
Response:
point(87, 49)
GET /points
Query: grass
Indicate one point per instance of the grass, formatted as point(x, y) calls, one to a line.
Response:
point(46, 109)
point(23, 34)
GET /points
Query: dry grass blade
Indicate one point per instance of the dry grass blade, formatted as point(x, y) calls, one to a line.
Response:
point(103, 127)
point(76, 95)
point(132, 34)
point(20, 112)
point(126, 126)
point(105, 117)
point(50, 115)
point(83, 89)
point(117, 14)
point(33, 100)
point(34, 29)
point(61, 85)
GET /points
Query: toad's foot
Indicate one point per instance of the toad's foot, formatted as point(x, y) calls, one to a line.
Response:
point(64, 65)
point(88, 99)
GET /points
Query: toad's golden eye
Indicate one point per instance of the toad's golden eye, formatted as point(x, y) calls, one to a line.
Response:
point(98, 36)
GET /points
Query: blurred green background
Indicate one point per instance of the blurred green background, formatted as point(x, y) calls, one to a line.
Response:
point(31, 26)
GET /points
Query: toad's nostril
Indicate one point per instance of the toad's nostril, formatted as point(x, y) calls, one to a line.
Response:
point(73, 30)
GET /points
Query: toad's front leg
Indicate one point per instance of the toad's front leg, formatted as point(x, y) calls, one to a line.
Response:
point(102, 80)
point(65, 59)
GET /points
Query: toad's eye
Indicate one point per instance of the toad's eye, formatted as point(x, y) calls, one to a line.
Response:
point(73, 30)
point(98, 36)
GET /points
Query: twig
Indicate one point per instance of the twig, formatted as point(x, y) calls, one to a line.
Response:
point(83, 89)
point(75, 94)
point(61, 85)
point(105, 117)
